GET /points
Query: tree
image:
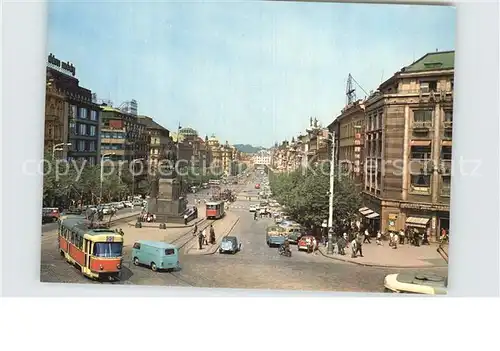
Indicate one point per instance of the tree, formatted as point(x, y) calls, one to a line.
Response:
point(305, 194)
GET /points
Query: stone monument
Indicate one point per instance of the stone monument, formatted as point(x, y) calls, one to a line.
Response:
point(166, 202)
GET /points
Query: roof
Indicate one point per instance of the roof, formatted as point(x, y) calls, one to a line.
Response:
point(80, 225)
point(110, 109)
point(214, 203)
point(156, 244)
point(188, 131)
point(150, 123)
point(433, 61)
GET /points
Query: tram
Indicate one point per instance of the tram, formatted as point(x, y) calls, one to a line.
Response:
point(95, 250)
point(215, 210)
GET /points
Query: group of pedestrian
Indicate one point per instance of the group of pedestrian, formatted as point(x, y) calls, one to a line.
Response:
point(147, 217)
point(202, 237)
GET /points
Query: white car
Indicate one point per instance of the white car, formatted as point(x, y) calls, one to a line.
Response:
point(252, 208)
point(127, 204)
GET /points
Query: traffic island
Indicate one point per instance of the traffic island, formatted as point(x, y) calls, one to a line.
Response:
point(159, 225)
point(222, 228)
point(405, 256)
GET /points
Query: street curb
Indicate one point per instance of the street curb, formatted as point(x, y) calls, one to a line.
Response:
point(172, 227)
point(378, 265)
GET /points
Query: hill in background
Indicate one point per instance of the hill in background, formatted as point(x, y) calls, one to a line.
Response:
point(248, 149)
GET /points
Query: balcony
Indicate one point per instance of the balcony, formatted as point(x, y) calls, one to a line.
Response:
point(420, 190)
point(422, 125)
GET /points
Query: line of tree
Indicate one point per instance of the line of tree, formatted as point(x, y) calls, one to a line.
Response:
point(305, 195)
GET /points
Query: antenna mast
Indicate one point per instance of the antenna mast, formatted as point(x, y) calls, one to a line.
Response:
point(350, 91)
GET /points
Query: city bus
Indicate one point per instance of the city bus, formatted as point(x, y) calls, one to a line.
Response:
point(215, 210)
point(96, 251)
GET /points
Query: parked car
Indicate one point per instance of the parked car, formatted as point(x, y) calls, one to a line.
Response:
point(302, 244)
point(252, 208)
point(128, 204)
point(229, 244)
point(137, 203)
point(50, 212)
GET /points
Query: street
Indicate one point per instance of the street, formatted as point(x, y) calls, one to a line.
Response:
point(255, 266)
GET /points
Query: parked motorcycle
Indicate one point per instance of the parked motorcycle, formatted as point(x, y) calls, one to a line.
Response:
point(284, 252)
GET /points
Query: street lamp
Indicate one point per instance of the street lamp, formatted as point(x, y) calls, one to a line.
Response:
point(102, 176)
point(331, 137)
point(59, 147)
point(133, 174)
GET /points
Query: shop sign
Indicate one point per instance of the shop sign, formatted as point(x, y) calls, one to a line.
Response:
point(64, 67)
point(425, 207)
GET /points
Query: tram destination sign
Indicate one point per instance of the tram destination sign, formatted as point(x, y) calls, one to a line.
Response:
point(64, 67)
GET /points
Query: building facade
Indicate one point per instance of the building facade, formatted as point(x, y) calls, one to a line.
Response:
point(350, 158)
point(123, 136)
point(408, 136)
point(263, 157)
point(56, 121)
point(81, 114)
point(159, 141)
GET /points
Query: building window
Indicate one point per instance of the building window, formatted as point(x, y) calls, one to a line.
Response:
point(427, 86)
point(92, 130)
point(82, 113)
point(81, 145)
point(82, 129)
point(421, 180)
point(93, 115)
point(446, 185)
point(421, 152)
point(92, 145)
point(446, 152)
point(72, 111)
point(73, 145)
point(448, 116)
point(424, 116)
point(91, 161)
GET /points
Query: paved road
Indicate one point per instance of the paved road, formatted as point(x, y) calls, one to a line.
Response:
point(256, 266)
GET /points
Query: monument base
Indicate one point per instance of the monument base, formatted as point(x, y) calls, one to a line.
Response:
point(167, 211)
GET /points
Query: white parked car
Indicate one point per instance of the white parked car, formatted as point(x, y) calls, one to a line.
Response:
point(252, 208)
point(127, 204)
point(118, 205)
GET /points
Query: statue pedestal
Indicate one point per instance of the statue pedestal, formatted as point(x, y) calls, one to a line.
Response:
point(168, 206)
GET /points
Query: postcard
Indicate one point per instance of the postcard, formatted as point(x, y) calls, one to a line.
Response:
point(251, 145)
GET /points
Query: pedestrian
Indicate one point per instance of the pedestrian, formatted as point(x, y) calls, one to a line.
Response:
point(379, 238)
point(341, 244)
point(416, 238)
point(353, 248)
point(346, 238)
point(425, 238)
point(212, 235)
point(185, 219)
point(200, 240)
point(195, 230)
point(367, 237)
point(401, 237)
point(359, 244)
point(394, 240)
point(205, 240)
point(315, 246)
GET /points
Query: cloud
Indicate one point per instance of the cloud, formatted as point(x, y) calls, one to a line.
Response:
point(248, 72)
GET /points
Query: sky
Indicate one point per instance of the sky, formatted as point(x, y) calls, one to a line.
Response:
point(249, 72)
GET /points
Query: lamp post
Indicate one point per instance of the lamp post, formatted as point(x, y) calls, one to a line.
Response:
point(59, 147)
point(102, 175)
point(133, 174)
point(331, 137)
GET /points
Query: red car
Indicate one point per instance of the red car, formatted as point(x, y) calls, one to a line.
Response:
point(306, 242)
point(51, 212)
point(257, 186)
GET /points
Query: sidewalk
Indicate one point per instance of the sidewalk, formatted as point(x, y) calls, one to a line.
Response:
point(405, 256)
point(222, 228)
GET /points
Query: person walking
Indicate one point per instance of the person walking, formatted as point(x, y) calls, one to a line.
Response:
point(379, 238)
point(401, 237)
point(367, 237)
point(212, 235)
point(195, 230)
point(346, 239)
point(200, 240)
point(341, 244)
point(205, 239)
point(359, 244)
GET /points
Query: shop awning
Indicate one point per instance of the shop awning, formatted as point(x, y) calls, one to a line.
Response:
point(365, 211)
point(417, 222)
point(373, 215)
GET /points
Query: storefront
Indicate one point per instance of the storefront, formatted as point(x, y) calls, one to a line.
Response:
point(370, 219)
point(424, 217)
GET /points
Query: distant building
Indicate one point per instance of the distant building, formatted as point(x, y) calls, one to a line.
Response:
point(159, 140)
point(263, 157)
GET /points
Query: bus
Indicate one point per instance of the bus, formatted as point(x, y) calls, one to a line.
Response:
point(215, 210)
point(96, 251)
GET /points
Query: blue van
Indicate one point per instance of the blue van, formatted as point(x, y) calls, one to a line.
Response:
point(155, 254)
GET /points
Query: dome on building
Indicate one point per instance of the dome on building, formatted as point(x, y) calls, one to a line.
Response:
point(188, 132)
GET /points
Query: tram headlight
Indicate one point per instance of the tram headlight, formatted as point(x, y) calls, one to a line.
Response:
point(118, 266)
point(101, 267)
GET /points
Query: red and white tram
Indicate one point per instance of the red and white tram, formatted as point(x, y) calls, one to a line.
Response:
point(215, 210)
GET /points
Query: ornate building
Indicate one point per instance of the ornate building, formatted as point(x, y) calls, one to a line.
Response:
point(408, 136)
point(56, 121)
point(159, 141)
